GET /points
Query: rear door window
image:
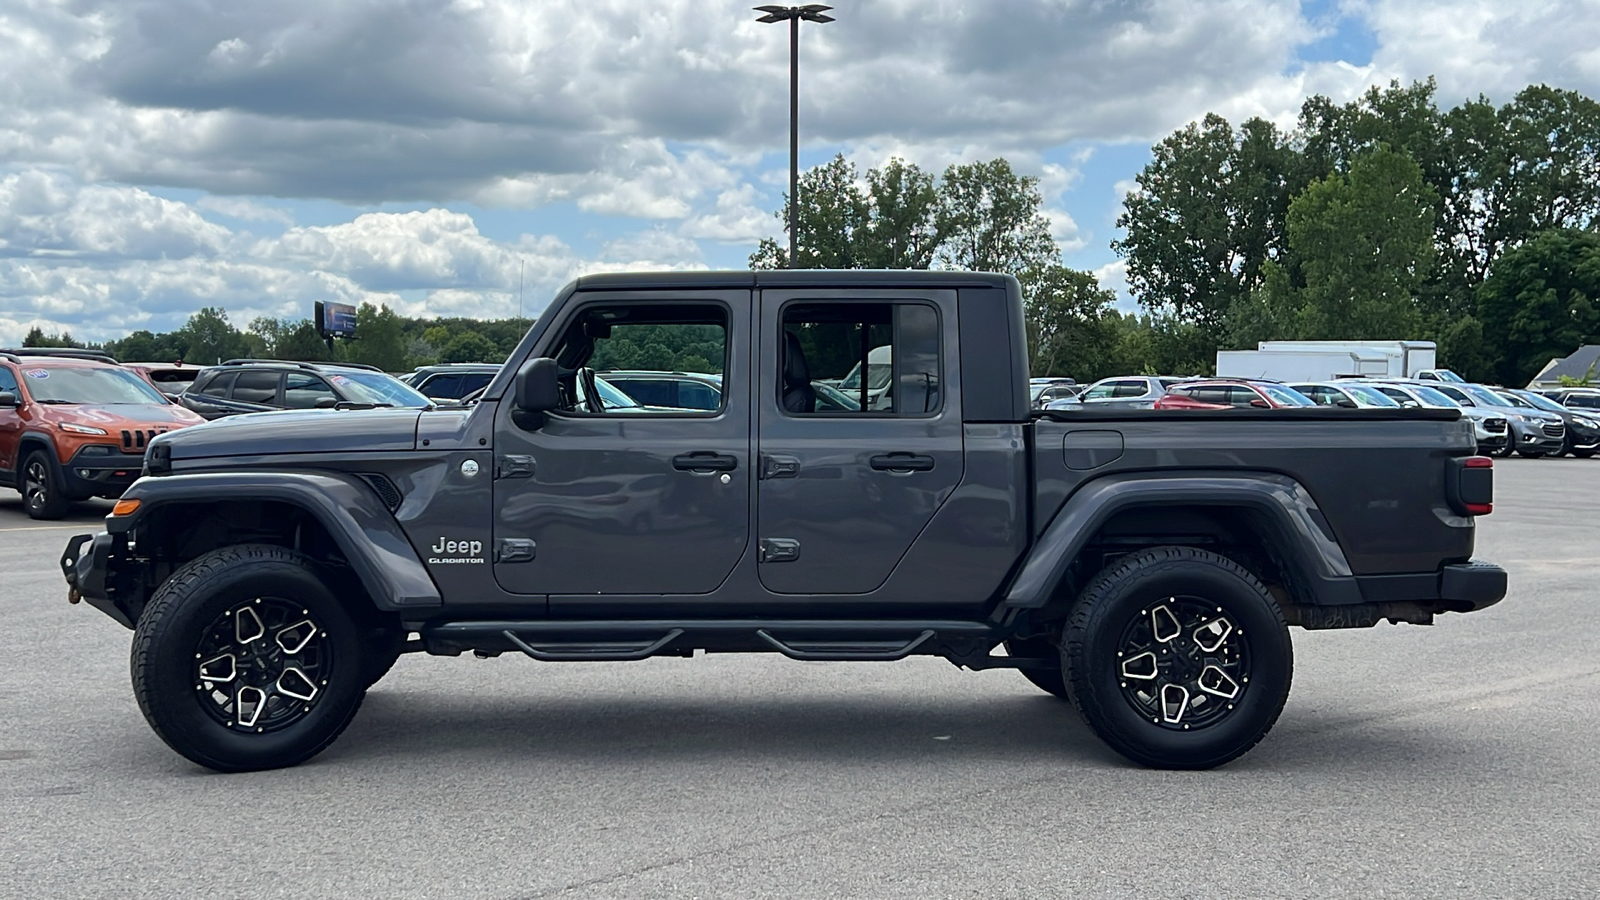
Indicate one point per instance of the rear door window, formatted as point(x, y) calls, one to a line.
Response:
point(257, 387)
point(695, 395)
point(220, 385)
point(304, 391)
point(442, 387)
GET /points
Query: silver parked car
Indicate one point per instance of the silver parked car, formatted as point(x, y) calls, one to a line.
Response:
point(1534, 432)
point(1349, 395)
point(1128, 391)
point(1491, 429)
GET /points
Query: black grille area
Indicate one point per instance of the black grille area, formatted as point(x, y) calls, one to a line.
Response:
point(1556, 431)
point(1494, 426)
point(387, 492)
point(135, 441)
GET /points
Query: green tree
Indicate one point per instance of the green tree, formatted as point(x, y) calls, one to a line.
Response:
point(208, 337)
point(901, 231)
point(1208, 214)
point(831, 220)
point(1542, 300)
point(470, 346)
point(886, 224)
point(36, 337)
point(1365, 246)
point(380, 339)
point(1069, 322)
point(988, 220)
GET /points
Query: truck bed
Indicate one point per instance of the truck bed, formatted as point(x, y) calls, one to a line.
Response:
point(1377, 478)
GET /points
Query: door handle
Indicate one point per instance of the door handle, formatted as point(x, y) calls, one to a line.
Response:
point(705, 461)
point(902, 462)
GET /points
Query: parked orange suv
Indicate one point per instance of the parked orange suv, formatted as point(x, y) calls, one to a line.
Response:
point(74, 425)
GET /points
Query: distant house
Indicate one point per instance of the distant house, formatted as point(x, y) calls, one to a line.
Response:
point(1584, 362)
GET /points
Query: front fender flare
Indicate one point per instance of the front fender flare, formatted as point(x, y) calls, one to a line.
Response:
point(365, 531)
point(1313, 552)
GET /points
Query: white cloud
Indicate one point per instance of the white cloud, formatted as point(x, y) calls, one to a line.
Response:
point(435, 248)
point(246, 210)
point(47, 215)
point(1113, 276)
point(1064, 230)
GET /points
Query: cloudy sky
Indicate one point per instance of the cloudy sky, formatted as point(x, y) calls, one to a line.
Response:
point(433, 155)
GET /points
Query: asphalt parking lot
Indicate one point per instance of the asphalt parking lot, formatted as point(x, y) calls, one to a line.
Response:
point(1453, 761)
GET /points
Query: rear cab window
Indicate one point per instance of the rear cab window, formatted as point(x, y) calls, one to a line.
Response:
point(899, 342)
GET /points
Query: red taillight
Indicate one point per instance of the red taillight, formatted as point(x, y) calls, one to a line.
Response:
point(1471, 486)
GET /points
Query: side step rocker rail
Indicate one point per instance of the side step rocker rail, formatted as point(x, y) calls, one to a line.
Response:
point(966, 644)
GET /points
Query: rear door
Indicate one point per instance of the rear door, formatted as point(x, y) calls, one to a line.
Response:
point(843, 494)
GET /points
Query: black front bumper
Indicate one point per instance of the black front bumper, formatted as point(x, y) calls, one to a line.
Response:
point(87, 571)
point(99, 474)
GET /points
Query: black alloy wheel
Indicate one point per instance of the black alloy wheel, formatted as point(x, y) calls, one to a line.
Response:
point(244, 659)
point(42, 495)
point(1178, 658)
point(263, 665)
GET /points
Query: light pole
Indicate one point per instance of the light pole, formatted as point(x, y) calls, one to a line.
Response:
point(811, 12)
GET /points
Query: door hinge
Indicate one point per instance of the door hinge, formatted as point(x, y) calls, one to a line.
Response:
point(513, 466)
point(514, 550)
point(779, 550)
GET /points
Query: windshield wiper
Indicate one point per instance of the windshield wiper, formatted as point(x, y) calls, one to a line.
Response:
point(59, 402)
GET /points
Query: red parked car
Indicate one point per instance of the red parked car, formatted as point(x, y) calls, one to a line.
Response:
point(1226, 394)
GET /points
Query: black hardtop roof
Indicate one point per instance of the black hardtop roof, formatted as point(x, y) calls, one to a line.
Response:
point(617, 281)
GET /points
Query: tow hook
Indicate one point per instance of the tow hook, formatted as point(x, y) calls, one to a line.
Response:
point(69, 565)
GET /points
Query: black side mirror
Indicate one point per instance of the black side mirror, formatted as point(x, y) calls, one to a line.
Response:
point(537, 388)
point(328, 403)
point(1345, 403)
point(8, 400)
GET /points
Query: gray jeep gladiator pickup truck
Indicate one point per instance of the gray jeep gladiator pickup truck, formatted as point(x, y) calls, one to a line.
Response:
point(1144, 565)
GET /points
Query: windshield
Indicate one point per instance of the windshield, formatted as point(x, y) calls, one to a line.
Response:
point(378, 389)
point(1285, 396)
point(1434, 397)
point(1484, 396)
point(1447, 375)
point(611, 397)
point(1371, 396)
point(1542, 402)
point(835, 396)
point(98, 385)
point(878, 375)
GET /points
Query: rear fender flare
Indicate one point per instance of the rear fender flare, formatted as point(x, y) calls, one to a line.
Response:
point(1313, 552)
point(363, 528)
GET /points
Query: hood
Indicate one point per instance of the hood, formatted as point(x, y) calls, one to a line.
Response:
point(113, 416)
point(311, 431)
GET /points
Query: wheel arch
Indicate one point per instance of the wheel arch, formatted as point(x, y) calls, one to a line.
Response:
point(1268, 515)
point(336, 518)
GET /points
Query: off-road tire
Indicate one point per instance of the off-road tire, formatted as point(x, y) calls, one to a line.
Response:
point(1115, 603)
point(1050, 680)
point(175, 623)
point(40, 485)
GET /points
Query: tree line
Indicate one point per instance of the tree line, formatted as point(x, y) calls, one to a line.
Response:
point(383, 338)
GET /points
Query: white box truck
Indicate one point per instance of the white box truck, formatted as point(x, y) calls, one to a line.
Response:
point(1326, 360)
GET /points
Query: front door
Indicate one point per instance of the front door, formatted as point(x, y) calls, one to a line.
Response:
point(610, 496)
point(851, 473)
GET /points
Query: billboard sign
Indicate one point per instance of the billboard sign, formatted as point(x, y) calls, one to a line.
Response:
point(335, 319)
